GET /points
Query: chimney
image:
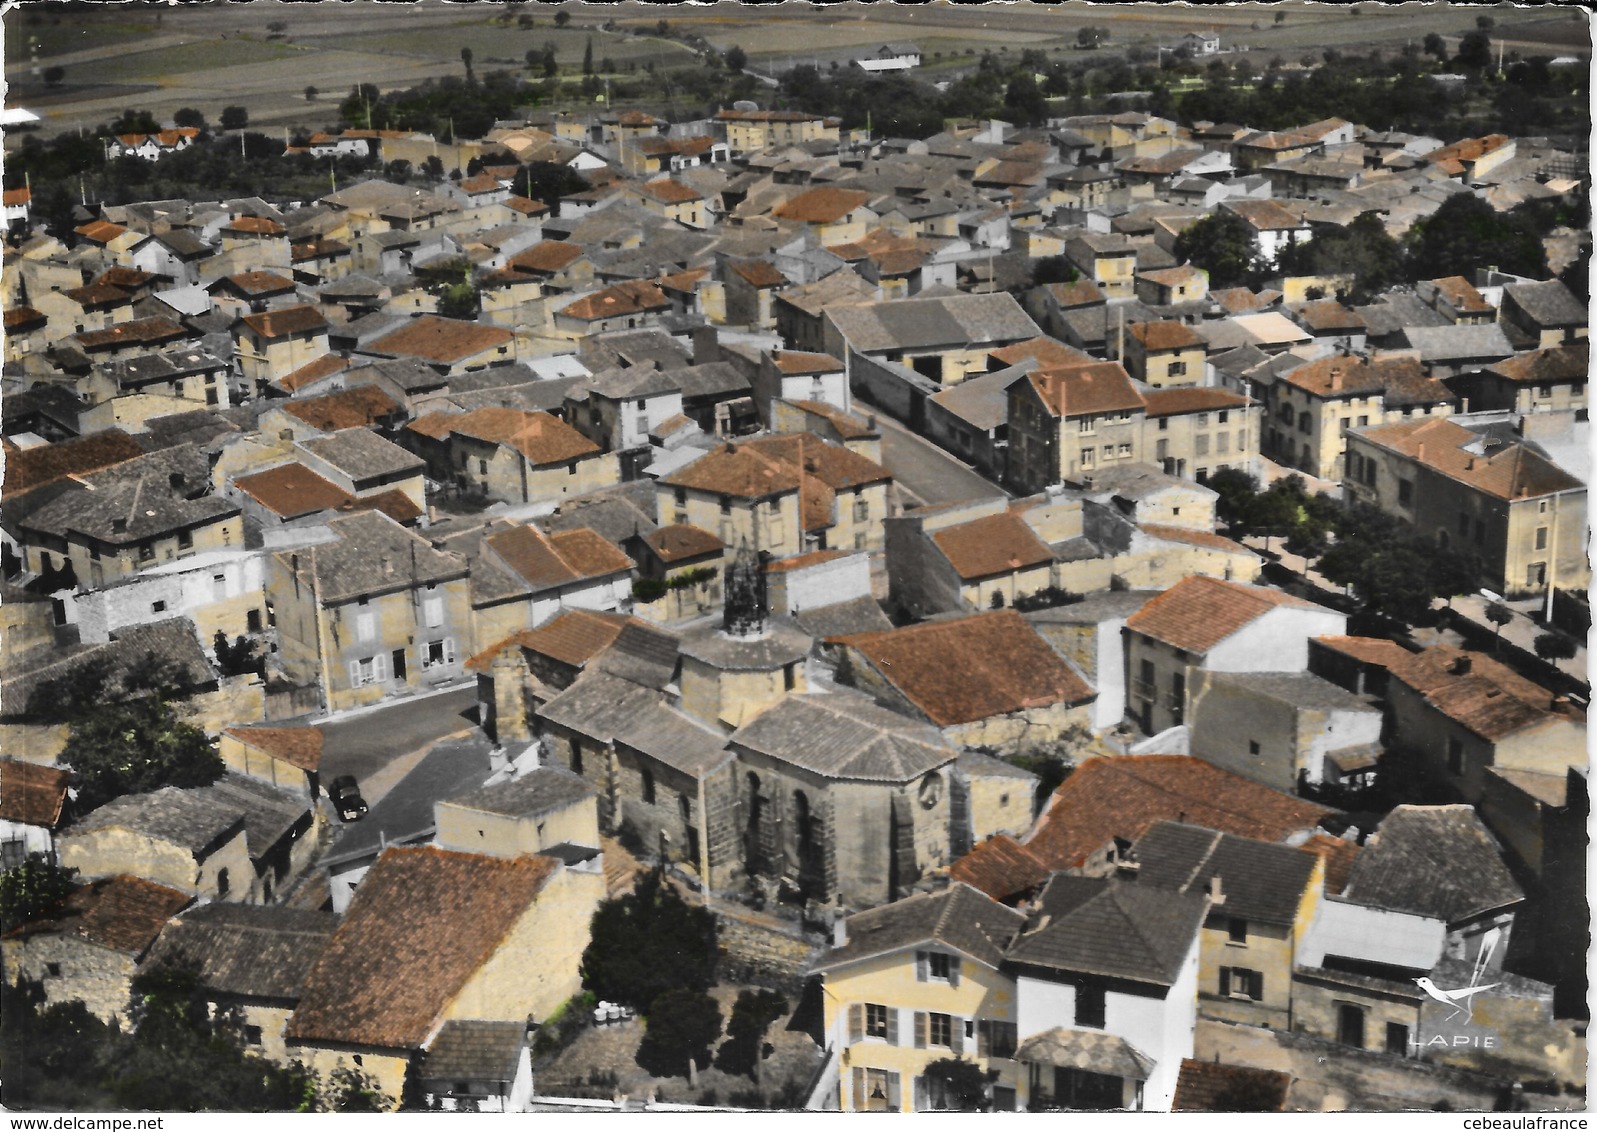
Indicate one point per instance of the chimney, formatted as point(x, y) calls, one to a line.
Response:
point(1336, 378)
point(1559, 705)
point(840, 931)
point(1461, 665)
point(1216, 893)
point(706, 345)
point(1419, 453)
point(175, 481)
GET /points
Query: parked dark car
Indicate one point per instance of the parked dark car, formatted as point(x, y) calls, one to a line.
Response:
point(346, 798)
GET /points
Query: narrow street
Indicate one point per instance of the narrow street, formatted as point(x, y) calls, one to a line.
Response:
point(375, 746)
point(932, 475)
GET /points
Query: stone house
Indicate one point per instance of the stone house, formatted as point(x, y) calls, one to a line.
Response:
point(268, 345)
point(1543, 314)
point(1199, 431)
point(449, 346)
point(1106, 989)
point(1521, 514)
point(1059, 419)
point(364, 464)
point(182, 839)
point(1460, 714)
point(1164, 354)
point(475, 1066)
point(1540, 381)
point(1107, 260)
point(943, 340)
point(1219, 626)
point(1284, 729)
point(88, 947)
point(251, 962)
point(374, 612)
point(1264, 899)
point(914, 982)
point(529, 813)
point(288, 758)
point(1010, 690)
point(1088, 634)
point(511, 455)
point(834, 215)
point(33, 803)
point(495, 939)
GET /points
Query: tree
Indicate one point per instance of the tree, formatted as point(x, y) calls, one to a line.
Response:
point(54, 75)
point(548, 181)
point(551, 67)
point(1362, 249)
point(1091, 37)
point(466, 57)
point(1236, 490)
point(1466, 232)
point(1024, 103)
point(310, 94)
point(125, 736)
point(1475, 50)
point(648, 942)
point(956, 1084)
point(587, 57)
point(526, 22)
point(682, 1024)
point(189, 118)
point(234, 117)
point(736, 59)
point(1433, 44)
point(277, 27)
point(32, 887)
point(1224, 245)
point(752, 1015)
point(662, 29)
point(1499, 615)
point(1485, 23)
point(1280, 18)
point(562, 18)
point(1554, 646)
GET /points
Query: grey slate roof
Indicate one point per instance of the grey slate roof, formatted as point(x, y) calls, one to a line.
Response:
point(1261, 880)
point(910, 324)
point(405, 813)
point(542, 790)
point(959, 917)
point(974, 764)
point(373, 555)
point(675, 740)
point(185, 818)
point(857, 615)
point(716, 379)
point(845, 735)
point(1435, 861)
point(269, 813)
point(1447, 343)
point(1095, 1051)
point(1550, 303)
point(782, 644)
point(134, 650)
point(135, 501)
point(599, 705)
point(622, 384)
point(247, 950)
point(1103, 927)
point(642, 654)
point(1110, 605)
point(361, 454)
point(475, 1051)
point(1299, 689)
point(618, 513)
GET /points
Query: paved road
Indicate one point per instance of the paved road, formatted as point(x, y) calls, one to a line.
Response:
point(926, 470)
point(366, 744)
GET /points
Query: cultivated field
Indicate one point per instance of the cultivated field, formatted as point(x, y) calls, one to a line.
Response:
point(211, 55)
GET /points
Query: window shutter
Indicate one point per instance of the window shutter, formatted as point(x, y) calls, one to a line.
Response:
point(1225, 981)
point(956, 1035)
point(856, 1022)
point(380, 667)
point(892, 1025)
point(920, 966)
point(449, 650)
point(984, 1038)
point(953, 970)
point(893, 1101)
point(859, 1089)
point(1256, 991)
point(354, 674)
point(920, 1029)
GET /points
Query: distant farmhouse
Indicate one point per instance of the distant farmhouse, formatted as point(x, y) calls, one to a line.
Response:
point(890, 57)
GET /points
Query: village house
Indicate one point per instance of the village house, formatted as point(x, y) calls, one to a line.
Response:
point(288, 758)
point(1265, 899)
point(1011, 691)
point(1543, 315)
point(248, 959)
point(449, 346)
point(541, 810)
point(375, 612)
point(89, 946)
point(623, 306)
point(510, 455)
point(1215, 626)
point(1551, 380)
point(268, 345)
point(1519, 513)
point(918, 981)
point(1061, 419)
point(501, 938)
point(748, 131)
point(33, 805)
point(179, 838)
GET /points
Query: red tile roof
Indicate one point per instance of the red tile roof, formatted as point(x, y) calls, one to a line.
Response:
point(738, 470)
point(992, 546)
point(293, 490)
point(633, 297)
point(259, 282)
point(824, 205)
point(325, 366)
point(139, 332)
point(120, 913)
point(1001, 867)
point(679, 541)
point(1166, 335)
point(1338, 856)
point(1048, 352)
point(667, 191)
point(560, 558)
point(1205, 1086)
point(1108, 798)
point(540, 437)
point(31, 794)
point(799, 362)
point(1198, 612)
point(287, 321)
point(35, 466)
point(574, 637)
point(546, 257)
point(439, 917)
point(443, 340)
point(1086, 389)
point(1544, 367)
point(1367, 650)
point(298, 746)
point(356, 407)
point(758, 273)
point(1003, 667)
point(254, 226)
point(1514, 472)
point(1480, 694)
point(1172, 402)
point(100, 231)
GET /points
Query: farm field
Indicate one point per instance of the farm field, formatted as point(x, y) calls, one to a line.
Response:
point(210, 55)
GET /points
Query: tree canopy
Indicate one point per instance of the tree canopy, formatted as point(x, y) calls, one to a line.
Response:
point(1466, 232)
point(648, 942)
point(1224, 245)
point(1362, 249)
point(752, 1015)
point(682, 1025)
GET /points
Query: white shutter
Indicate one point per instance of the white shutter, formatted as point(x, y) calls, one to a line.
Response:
point(380, 667)
point(354, 674)
point(956, 1035)
point(433, 611)
point(449, 650)
point(953, 970)
point(920, 966)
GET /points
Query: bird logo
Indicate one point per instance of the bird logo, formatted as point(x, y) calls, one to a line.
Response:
point(1461, 999)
